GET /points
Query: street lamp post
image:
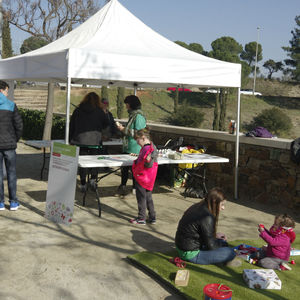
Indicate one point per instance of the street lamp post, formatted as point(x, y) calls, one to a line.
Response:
point(256, 52)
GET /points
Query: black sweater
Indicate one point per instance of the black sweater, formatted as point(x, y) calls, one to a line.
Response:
point(196, 230)
point(86, 125)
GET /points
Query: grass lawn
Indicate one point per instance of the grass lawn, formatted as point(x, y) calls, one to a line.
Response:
point(159, 105)
point(158, 265)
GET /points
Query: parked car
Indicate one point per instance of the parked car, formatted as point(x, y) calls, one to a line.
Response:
point(28, 83)
point(212, 91)
point(250, 92)
point(173, 89)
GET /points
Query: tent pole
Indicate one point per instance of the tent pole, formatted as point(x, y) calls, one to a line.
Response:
point(237, 143)
point(135, 88)
point(68, 110)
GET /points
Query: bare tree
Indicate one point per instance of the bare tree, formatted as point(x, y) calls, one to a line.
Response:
point(49, 19)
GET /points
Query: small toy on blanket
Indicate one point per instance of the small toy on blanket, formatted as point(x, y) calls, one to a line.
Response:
point(247, 252)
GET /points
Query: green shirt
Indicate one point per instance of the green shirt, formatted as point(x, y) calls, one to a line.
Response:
point(187, 255)
point(132, 146)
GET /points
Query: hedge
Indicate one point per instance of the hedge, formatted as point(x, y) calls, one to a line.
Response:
point(34, 121)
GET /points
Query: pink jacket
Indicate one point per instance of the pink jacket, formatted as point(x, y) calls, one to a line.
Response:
point(279, 244)
point(144, 175)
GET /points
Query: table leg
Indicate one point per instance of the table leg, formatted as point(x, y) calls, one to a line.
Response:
point(99, 203)
point(83, 199)
point(44, 162)
point(96, 190)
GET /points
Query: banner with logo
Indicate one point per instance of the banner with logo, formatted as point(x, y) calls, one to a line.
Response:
point(61, 183)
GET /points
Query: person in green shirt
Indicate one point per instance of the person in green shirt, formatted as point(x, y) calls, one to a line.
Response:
point(136, 121)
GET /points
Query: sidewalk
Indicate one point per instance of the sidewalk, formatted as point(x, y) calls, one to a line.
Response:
point(87, 260)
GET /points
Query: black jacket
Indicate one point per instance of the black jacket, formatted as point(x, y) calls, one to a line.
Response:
point(111, 129)
point(86, 125)
point(196, 230)
point(11, 124)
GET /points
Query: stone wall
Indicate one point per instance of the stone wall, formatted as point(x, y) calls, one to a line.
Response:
point(266, 173)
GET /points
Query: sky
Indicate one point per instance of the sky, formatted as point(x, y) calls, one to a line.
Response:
point(203, 21)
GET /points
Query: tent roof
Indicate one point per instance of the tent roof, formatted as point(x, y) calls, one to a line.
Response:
point(115, 47)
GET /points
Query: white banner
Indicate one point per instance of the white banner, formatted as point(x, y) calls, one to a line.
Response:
point(61, 183)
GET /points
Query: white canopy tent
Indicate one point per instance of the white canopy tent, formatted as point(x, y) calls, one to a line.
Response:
point(115, 48)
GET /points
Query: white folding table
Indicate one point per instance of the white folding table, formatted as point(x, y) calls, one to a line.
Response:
point(43, 144)
point(122, 160)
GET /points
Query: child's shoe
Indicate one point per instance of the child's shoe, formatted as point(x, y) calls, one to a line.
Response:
point(14, 205)
point(152, 221)
point(285, 267)
point(2, 206)
point(138, 221)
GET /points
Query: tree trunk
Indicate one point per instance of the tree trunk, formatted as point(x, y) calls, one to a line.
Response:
point(216, 112)
point(120, 102)
point(223, 105)
point(176, 100)
point(49, 112)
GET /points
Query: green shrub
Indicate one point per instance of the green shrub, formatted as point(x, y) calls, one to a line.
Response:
point(186, 116)
point(273, 119)
point(34, 121)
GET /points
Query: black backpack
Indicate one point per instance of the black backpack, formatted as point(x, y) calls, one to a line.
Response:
point(295, 151)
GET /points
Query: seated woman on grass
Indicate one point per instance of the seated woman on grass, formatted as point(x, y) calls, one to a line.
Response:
point(196, 238)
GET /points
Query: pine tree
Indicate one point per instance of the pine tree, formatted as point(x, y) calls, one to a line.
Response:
point(294, 53)
point(6, 40)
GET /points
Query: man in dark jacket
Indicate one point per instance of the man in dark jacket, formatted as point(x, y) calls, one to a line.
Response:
point(11, 127)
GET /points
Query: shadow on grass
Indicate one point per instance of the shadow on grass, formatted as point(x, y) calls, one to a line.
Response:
point(283, 102)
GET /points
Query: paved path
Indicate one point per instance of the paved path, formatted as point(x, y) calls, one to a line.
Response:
point(87, 260)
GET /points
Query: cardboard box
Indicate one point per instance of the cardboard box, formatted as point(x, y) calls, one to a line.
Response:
point(182, 277)
point(262, 279)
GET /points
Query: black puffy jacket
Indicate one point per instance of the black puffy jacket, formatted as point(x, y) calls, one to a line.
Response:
point(86, 125)
point(196, 230)
point(11, 124)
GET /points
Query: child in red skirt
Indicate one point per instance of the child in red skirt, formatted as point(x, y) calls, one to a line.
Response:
point(144, 170)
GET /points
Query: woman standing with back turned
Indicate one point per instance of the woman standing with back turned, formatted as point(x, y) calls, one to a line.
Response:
point(86, 125)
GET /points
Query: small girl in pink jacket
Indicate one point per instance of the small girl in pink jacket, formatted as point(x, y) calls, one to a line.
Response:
point(279, 239)
point(144, 170)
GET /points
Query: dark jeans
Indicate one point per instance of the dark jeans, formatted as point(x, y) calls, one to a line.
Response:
point(9, 157)
point(216, 256)
point(125, 175)
point(84, 171)
point(144, 200)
